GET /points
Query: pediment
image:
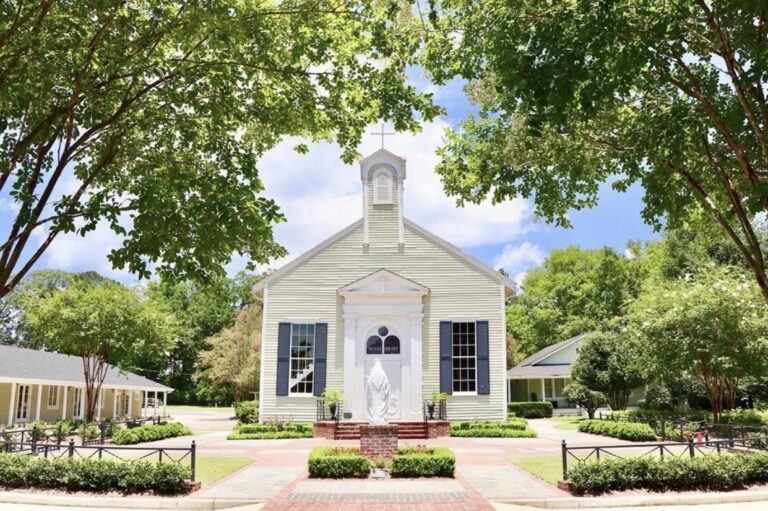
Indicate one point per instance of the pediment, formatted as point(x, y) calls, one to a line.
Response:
point(383, 282)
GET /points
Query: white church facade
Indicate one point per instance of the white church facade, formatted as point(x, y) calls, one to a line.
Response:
point(384, 289)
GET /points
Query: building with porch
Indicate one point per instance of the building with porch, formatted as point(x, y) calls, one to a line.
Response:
point(544, 375)
point(384, 294)
point(40, 385)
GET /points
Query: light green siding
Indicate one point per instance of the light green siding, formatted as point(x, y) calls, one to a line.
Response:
point(457, 290)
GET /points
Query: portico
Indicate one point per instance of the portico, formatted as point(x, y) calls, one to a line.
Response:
point(383, 315)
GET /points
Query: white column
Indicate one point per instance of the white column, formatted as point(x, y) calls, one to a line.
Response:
point(415, 348)
point(99, 404)
point(10, 404)
point(64, 404)
point(543, 391)
point(82, 403)
point(131, 395)
point(39, 398)
point(155, 404)
point(114, 403)
point(350, 385)
point(165, 403)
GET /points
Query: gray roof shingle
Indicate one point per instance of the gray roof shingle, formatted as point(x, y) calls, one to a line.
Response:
point(527, 369)
point(43, 366)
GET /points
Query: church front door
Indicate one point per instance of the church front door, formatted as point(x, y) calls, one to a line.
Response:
point(383, 391)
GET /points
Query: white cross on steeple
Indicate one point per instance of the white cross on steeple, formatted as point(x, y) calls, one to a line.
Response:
point(383, 134)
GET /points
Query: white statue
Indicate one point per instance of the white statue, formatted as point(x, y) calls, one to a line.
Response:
point(377, 392)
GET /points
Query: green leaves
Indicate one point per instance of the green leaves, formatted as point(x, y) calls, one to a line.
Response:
point(156, 115)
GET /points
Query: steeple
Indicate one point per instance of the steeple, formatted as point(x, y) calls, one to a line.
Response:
point(382, 174)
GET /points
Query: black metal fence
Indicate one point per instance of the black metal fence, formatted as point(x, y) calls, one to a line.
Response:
point(669, 428)
point(594, 453)
point(122, 453)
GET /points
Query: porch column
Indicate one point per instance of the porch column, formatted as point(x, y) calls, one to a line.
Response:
point(82, 403)
point(165, 403)
point(39, 400)
point(155, 404)
point(99, 404)
point(131, 395)
point(114, 403)
point(415, 351)
point(64, 404)
point(543, 391)
point(10, 404)
point(352, 389)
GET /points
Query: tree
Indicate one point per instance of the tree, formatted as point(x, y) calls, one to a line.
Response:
point(579, 394)
point(610, 362)
point(713, 326)
point(574, 291)
point(151, 117)
point(102, 324)
point(234, 354)
point(671, 95)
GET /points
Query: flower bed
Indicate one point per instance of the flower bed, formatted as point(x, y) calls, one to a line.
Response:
point(423, 461)
point(270, 431)
point(75, 474)
point(338, 463)
point(633, 431)
point(514, 428)
point(717, 472)
point(149, 433)
point(530, 409)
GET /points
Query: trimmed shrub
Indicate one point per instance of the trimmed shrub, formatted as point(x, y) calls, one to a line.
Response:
point(271, 431)
point(423, 462)
point(76, 474)
point(717, 472)
point(247, 412)
point(338, 463)
point(149, 433)
point(514, 428)
point(531, 409)
point(633, 431)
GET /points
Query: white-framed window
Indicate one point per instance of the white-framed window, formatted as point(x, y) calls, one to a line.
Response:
point(124, 400)
point(53, 397)
point(382, 342)
point(77, 407)
point(22, 403)
point(464, 345)
point(382, 187)
point(302, 359)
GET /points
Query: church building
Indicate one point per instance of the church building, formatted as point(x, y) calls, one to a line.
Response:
point(385, 290)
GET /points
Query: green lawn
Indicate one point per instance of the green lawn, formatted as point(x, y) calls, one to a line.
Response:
point(568, 422)
point(548, 467)
point(212, 469)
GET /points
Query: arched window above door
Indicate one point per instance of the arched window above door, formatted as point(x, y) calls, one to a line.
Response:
point(381, 343)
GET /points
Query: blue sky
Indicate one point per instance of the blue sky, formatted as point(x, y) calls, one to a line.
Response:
point(320, 195)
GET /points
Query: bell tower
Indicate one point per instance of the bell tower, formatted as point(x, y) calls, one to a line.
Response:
point(382, 175)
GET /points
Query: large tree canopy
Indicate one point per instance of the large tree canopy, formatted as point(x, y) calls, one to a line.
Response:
point(151, 116)
point(668, 94)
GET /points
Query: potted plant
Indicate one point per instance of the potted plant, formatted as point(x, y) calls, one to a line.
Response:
point(333, 397)
point(432, 402)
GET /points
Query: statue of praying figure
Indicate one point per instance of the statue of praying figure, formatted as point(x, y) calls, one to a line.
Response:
point(377, 392)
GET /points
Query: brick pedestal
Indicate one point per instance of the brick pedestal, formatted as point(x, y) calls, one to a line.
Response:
point(378, 441)
point(436, 429)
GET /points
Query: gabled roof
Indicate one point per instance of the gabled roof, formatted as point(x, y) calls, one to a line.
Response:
point(529, 367)
point(24, 365)
point(382, 156)
point(508, 283)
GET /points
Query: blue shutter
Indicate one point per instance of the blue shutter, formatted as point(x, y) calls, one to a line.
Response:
point(483, 369)
point(446, 357)
point(283, 357)
point(321, 348)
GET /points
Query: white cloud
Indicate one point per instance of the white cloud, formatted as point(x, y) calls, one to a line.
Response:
point(518, 259)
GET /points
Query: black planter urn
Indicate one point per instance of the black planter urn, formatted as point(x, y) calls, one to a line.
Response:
point(332, 407)
point(431, 411)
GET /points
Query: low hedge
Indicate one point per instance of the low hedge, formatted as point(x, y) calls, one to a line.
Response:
point(633, 431)
point(531, 409)
point(149, 433)
point(514, 428)
point(513, 423)
point(270, 431)
point(338, 463)
point(76, 474)
point(423, 461)
point(717, 472)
